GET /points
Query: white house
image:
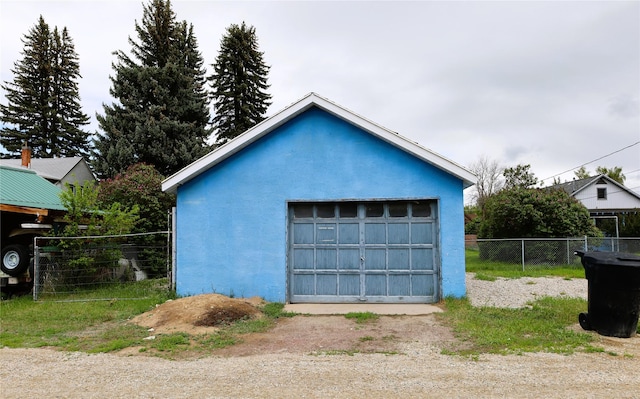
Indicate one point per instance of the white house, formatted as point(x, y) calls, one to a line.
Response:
point(602, 195)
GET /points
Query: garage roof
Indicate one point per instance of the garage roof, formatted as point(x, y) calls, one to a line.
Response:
point(313, 100)
point(24, 188)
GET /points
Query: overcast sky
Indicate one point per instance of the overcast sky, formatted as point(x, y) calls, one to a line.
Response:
point(551, 84)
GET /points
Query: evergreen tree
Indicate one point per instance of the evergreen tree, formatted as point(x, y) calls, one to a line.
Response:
point(239, 84)
point(614, 173)
point(519, 176)
point(582, 173)
point(43, 100)
point(162, 114)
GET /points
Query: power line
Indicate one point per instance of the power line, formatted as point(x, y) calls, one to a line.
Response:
point(597, 159)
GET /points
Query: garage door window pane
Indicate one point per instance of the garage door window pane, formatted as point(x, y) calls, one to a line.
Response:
point(375, 210)
point(421, 209)
point(326, 211)
point(349, 210)
point(302, 211)
point(398, 210)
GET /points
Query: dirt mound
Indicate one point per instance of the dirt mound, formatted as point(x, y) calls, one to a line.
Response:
point(198, 314)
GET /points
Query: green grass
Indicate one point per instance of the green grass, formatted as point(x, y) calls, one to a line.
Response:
point(171, 342)
point(101, 326)
point(81, 322)
point(362, 317)
point(540, 328)
point(487, 270)
point(26, 323)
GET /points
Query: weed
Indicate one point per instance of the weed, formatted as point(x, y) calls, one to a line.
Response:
point(276, 310)
point(485, 277)
point(366, 338)
point(170, 342)
point(362, 317)
point(220, 339)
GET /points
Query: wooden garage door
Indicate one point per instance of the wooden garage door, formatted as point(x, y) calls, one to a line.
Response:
point(363, 251)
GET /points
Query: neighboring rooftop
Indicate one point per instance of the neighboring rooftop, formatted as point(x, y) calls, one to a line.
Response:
point(49, 168)
point(575, 185)
point(24, 188)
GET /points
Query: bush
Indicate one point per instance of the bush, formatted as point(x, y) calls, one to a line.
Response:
point(87, 262)
point(535, 213)
point(141, 186)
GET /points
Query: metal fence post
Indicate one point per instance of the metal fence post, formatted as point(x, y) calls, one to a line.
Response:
point(36, 269)
point(586, 246)
point(522, 247)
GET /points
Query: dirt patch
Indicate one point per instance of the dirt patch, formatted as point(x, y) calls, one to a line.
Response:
point(337, 334)
point(205, 314)
point(198, 314)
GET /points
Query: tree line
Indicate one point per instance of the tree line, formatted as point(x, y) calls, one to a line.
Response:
point(160, 115)
point(509, 203)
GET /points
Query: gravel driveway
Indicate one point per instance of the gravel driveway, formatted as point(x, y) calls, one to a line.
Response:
point(419, 371)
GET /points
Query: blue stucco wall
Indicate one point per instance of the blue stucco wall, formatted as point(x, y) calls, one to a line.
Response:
point(232, 219)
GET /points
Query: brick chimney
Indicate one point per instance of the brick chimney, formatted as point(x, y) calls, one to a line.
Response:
point(26, 155)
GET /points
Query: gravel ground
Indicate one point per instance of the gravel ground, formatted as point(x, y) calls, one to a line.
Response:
point(421, 371)
point(516, 293)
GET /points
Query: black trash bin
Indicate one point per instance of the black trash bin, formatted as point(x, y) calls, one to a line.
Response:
point(614, 293)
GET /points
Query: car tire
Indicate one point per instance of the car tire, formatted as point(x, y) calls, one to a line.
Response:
point(15, 259)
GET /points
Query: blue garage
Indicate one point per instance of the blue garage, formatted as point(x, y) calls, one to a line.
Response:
point(317, 204)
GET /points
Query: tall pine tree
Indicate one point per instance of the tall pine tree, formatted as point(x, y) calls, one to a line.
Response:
point(239, 84)
point(43, 100)
point(161, 115)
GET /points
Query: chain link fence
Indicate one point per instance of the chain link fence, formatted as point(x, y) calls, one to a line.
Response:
point(101, 267)
point(546, 253)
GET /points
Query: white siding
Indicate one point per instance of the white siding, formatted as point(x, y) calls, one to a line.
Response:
point(617, 198)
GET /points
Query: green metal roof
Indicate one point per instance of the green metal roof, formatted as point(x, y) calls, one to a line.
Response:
point(23, 187)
